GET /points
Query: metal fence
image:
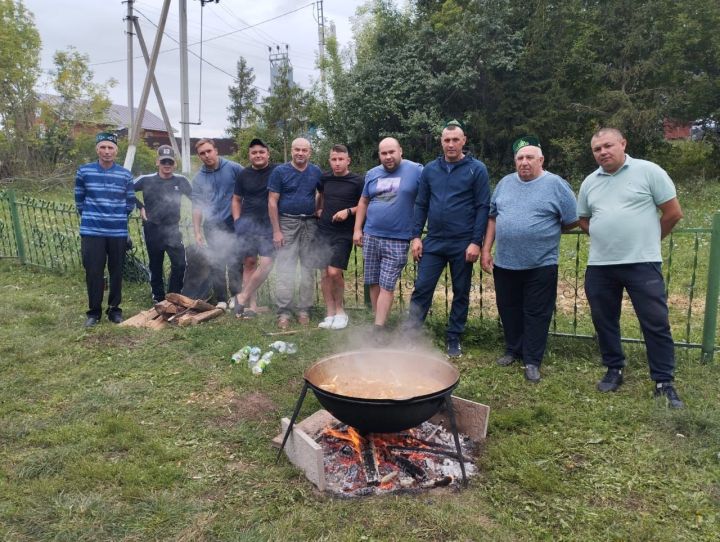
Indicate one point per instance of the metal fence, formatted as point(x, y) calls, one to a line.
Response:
point(45, 234)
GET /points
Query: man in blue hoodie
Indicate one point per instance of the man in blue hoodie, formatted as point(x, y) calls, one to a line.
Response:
point(212, 192)
point(453, 198)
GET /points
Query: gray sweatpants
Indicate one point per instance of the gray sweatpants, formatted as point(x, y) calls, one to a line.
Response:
point(300, 236)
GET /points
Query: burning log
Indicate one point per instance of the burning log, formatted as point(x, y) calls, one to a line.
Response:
point(436, 450)
point(371, 468)
point(408, 466)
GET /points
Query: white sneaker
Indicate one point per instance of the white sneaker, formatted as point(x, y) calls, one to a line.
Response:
point(231, 303)
point(327, 322)
point(222, 305)
point(340, 321)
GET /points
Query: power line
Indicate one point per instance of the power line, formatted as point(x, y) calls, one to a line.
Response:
point(196, 55)
point(208, 39)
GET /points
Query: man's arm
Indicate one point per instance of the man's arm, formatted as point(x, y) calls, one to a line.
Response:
point(273, 198)
point(486, 259)
point(197, 226)
point(236, 206)
point(671, 215)
point(361, 211)
point(79, 192)
point(584, 224)
point(482, 205)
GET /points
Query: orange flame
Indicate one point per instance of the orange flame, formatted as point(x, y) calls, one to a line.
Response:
point(351, 436)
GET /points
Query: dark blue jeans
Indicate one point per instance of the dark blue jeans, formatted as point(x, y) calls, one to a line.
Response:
point(430, 268)
point(645, 285)
point(526, 300)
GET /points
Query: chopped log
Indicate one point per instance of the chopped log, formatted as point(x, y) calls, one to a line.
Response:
point(192, 319)
point(157, 323)
point(188, 303)
point(166, 308)
point(140, 319)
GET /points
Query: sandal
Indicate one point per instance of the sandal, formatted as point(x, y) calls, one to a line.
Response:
point(239, 310)
point(249, 314)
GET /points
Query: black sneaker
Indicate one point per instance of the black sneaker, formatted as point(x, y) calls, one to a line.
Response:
point(454, 350)
point(611, 381)
point(666, 389)
point(506, 360)
point(532, 373)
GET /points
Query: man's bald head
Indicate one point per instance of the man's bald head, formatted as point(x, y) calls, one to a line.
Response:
point(390, 153)
point(300, 151)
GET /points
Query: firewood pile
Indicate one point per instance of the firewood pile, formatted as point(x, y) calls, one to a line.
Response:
point(176, 309)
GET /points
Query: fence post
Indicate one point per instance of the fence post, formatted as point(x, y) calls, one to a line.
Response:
point(19, 241)
point(713, 293)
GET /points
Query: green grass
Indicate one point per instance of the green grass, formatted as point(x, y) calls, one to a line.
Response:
point(125, 434)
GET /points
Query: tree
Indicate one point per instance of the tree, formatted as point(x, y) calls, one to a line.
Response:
point(243, 96)
point(19, 72)
point(285, 110)
point(80, 101)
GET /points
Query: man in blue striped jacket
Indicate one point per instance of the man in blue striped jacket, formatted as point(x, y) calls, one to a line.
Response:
point(104, 197)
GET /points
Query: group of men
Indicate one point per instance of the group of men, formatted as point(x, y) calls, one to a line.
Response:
point(292, 215)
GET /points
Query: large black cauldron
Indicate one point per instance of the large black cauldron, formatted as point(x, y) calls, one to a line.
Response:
point(382, 391)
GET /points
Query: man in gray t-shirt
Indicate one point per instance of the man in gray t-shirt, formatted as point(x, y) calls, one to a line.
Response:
point(528, 211)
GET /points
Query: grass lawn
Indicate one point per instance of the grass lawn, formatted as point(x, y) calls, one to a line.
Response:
point(125, 434)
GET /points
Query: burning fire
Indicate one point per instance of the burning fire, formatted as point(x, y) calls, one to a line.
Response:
point(413, 458)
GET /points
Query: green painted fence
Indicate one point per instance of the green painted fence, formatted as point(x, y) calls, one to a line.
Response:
point(45, 234)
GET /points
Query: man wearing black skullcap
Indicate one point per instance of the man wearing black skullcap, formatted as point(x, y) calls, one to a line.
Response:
point(528, 211)
point(104, 197)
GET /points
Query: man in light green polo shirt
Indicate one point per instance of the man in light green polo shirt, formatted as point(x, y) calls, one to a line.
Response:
point(618, 206)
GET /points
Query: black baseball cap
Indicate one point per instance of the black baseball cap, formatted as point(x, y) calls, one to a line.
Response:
point(257, 141)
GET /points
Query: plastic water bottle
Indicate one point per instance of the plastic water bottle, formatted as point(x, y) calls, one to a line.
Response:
point(253, 356)
point(284, 348)
point(241, 355)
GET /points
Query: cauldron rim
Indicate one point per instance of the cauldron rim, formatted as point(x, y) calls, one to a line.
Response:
point(384, 401)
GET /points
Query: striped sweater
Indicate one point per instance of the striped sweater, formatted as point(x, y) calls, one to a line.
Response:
point(104, 198)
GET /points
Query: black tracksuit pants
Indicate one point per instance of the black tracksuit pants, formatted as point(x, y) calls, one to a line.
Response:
point(96, 253)
point(159, 240)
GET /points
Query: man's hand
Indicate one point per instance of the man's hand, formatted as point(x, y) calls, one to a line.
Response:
point(472, 253)
point(358, 238)
point(487, 262)
point(143, 214)
point(200, 240)
point(416, 247)
point(341, 216)
point(278, 239)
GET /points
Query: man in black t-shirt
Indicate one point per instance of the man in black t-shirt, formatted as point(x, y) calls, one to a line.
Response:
point(252, 226)
point(160, 211)
point(340, 191)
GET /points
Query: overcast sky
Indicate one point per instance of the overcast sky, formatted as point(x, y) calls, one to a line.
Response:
point(97, 28)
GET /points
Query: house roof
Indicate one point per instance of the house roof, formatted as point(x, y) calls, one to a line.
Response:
point(118, 115)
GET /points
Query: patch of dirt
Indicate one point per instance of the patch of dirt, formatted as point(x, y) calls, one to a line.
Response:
point(108, 339)
point(253, 406)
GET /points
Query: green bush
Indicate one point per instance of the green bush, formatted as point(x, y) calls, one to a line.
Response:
point(687, 161)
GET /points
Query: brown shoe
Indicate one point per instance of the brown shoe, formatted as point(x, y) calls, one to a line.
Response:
point(283, 322)
point(303, 318)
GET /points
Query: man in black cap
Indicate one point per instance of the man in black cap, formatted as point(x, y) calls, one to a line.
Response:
point(528, 211)
point(104, 197)
point(160, 211)
point(252, 226)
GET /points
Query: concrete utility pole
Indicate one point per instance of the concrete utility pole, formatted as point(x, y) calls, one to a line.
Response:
point(129, 20)
point(133, 135)
point(184, 94)
point(321, 40)
point(156, 88)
